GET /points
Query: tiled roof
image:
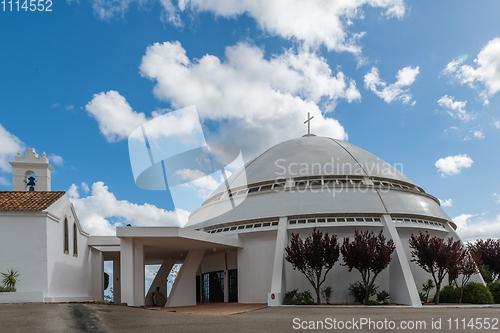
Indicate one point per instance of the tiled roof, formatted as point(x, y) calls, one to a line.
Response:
point(28, 201)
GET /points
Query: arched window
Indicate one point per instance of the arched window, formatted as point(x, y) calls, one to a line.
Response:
point(66, 236)
point(75, 240)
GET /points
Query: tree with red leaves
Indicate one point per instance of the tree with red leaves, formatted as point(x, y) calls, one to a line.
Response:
point(467, 267)
point(369, 254)
point(311, 257)
point(488, 252)
point(436, 256)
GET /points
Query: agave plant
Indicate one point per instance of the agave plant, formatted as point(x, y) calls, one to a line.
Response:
point(10, 278)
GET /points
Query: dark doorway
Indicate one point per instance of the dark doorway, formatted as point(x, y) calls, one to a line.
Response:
point(212, 287)
point(233, 285)
point(198, 289)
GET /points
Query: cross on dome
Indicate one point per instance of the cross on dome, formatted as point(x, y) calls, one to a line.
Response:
point(308, 122)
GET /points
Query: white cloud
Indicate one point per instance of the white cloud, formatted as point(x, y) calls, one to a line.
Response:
point(9, 147)
point(394, 91)
point(115, 9)
point(70, 107)
point(96, 211)
point(486, 70)
point(171, 13)
point(262, 102)
point(312, 23)
point(56, 159)
point(452, 165)
point(497, 198)
point(471, 229)
point(73, 192)
point(114, 115)
point(479, 134)
point(455, 109)
point(497, 124)
point(85, 187)
point(446, 203)
point(199, 182)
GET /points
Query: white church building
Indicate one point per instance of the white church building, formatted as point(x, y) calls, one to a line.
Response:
point(227, 255)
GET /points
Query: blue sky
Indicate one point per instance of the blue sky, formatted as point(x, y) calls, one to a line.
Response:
point(413, 82)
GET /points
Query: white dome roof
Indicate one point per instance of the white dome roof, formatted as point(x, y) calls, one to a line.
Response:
point(313, 156)
point(337, 178)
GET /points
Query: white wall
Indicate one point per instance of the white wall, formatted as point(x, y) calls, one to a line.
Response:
point(23, 248)
point(67, 274)
point(255, 266)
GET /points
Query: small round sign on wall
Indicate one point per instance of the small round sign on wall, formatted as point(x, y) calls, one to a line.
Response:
point(272, 296)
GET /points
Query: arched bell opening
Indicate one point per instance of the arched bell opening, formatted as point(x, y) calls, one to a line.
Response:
point(30, 180)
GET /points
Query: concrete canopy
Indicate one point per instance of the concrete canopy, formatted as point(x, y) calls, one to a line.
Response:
point(162, 243)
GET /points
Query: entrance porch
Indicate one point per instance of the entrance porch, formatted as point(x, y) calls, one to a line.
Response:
point(140, 246)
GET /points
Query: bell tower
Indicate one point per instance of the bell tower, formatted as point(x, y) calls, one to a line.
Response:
point(31, 172)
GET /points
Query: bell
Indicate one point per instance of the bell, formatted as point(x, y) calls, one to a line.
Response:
point(31, 183)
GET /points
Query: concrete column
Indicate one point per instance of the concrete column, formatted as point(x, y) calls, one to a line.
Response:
point(97, 273)
point(160, 280)
point(116, 282)
point(139, 275)
point(274, 298)
point(226, 286)
point(403, 289)
point(184, 289)
point(127, 271)
point(132, 272)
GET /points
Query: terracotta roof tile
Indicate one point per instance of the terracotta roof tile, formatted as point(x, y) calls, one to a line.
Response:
point(28, 201)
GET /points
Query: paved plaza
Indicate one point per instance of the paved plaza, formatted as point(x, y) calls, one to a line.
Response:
point(88, 317)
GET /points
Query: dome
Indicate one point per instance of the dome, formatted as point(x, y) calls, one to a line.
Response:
point(314, 156)
point(315, 176)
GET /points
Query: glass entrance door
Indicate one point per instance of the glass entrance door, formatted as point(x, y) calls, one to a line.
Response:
point(213, 287)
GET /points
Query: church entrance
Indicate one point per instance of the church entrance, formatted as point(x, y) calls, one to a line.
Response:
point(212, 290)
point(212, 286)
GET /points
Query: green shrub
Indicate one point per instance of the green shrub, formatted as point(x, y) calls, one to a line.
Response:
point(358, 291)
point(372, 302)
point(289, 297)
point(486, 273)
point(326, 292)
point(7, 289)
point(295, 298)
point(494, 288)
point(449, 294)
point(307, 297)
point(383, 297)
point(476, 293)
point(10, 279)
point(423, 297)
point(426, 289)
